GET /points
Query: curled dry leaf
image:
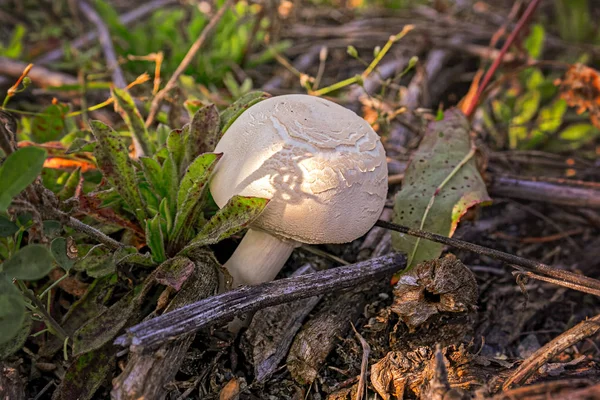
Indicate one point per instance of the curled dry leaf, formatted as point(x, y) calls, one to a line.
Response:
point(443, 285)
point(581, 88)
point(414, 372)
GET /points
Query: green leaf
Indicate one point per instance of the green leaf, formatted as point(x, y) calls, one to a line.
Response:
point(534, 44)
point(132, 117)
point(191, 199)
point(204, 132)
point(440, 184)
point(18, 171)
point(197, 170)
point(170, 178)
point(97, 262)
point(162, 132)
point(236, 215)
point(153, 174)
point(50, 124)
point(80, 145)
point(86, 374)
point(30, 263)
point(12, 310)
point(176, 146)
point(14, 344)
point(231, 113)
point(71, 185)
point(93, 302)
point(175, 272)
point(113, 159)
point(143, 260)
point(58, 247)
point(155, 239)
point(551, 116)
point(7, 227)
point(526, 108)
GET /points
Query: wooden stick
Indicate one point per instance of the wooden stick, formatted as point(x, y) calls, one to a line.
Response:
point(245, 299)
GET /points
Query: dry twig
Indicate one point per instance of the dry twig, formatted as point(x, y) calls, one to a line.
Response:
point(566, 278)
point(245, 299)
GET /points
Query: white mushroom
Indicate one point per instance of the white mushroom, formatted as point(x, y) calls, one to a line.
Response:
point(322, 167)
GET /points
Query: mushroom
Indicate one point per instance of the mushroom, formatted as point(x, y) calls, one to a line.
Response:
point(322, 167)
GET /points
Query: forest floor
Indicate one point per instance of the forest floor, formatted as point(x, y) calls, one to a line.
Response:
point(525, 336)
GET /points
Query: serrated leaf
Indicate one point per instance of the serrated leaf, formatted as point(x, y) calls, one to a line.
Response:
point(80, 145)
point(113, 159)
point(49, 125)
point(204, 132)
point(231, 113)
point(170, 178)
point(18, 171)
point(58, 247)
point(443, 155)
point(176, 146)
point(153, 174)
point(71, 185)
point(130, 114)
point(162, 132)
point(165, 212)
point(236, 215)
point(191, 199)
point(7, 227)
point(12, 310)
point(155, 239)
point(30, 263)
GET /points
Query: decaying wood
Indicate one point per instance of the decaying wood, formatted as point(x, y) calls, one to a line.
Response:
point(319, 335)
point(146, 374)
point(11, 385)
point(272, 330)
point(223, 307)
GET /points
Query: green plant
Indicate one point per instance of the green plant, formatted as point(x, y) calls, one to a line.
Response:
point(161, 199)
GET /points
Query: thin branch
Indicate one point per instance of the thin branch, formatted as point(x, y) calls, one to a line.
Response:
point(220, 308)
point(158, 99)
point(566, 193)
point(106, 42)
point(583, 283)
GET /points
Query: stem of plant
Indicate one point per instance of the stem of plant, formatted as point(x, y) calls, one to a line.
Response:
point(513, 35)
point(51, 323)
point(359, 78)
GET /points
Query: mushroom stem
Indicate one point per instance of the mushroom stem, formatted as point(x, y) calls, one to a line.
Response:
point(258, 258)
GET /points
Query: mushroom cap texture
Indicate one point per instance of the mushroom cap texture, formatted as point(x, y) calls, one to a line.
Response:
point(322, 166)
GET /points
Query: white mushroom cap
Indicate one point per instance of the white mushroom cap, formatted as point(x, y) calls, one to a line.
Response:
point(322, 166)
